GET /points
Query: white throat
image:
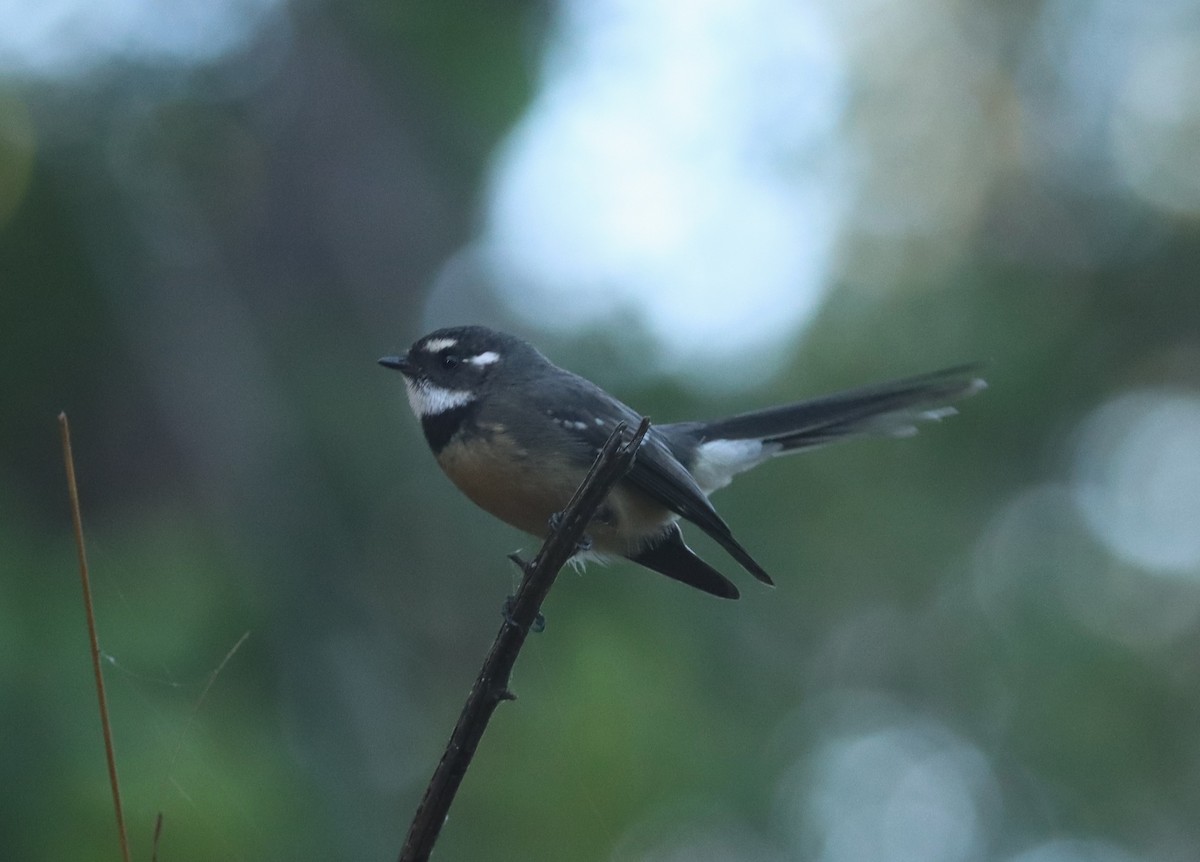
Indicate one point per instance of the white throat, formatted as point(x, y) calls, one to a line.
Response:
point(429, 399)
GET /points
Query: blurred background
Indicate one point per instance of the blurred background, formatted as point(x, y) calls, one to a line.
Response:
point(985, 642)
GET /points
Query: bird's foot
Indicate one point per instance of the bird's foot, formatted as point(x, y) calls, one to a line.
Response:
point(585, 541)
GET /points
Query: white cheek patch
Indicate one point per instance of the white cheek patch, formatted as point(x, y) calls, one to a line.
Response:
point(436, 345)
point(718, 461)
point(426, 399)
point(489, 357)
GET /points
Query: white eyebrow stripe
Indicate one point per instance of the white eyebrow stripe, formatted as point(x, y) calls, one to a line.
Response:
point(488, 357)
point(434, 345)
point(426, 399)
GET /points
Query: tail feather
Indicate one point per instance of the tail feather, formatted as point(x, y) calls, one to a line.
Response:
point(670, 556)
point(888, 410)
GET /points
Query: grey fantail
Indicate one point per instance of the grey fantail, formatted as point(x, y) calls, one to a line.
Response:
point(517, 434)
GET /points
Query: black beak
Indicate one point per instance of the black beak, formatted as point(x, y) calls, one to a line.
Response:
point(399, 363)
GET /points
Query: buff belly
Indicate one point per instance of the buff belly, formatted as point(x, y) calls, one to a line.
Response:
point(501, 478)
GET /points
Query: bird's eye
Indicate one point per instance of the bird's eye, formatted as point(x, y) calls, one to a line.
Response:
point(450, 361)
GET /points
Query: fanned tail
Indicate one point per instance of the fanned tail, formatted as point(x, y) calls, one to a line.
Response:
point(890, 409)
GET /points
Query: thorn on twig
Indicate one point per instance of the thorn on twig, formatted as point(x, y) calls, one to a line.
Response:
point(506, 610)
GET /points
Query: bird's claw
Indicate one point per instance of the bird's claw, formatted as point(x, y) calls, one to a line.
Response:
point(585, 541)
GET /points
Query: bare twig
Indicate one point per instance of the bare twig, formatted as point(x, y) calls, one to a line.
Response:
point(158, 825)
point(491, 686)
point(77, 518)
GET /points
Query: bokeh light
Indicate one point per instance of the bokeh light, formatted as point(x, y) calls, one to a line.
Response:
point(1039, 552)
point(676, 167)
point(1137, 480)
point(908, 790)
point(69, 38)
point(1125, 96)
point(1070, 850)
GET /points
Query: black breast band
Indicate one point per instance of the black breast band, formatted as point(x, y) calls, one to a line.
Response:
point(439, 428)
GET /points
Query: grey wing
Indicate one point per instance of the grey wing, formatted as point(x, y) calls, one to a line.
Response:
point(660, 475)
point(589, 414)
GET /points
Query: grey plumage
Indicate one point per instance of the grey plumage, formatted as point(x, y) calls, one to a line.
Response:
point(517, 433)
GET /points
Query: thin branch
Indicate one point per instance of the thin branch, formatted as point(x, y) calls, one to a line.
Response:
point(158, 826)
point(491, 686)
point(77, 518)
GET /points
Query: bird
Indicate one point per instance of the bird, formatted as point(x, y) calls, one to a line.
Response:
point(516, 434)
